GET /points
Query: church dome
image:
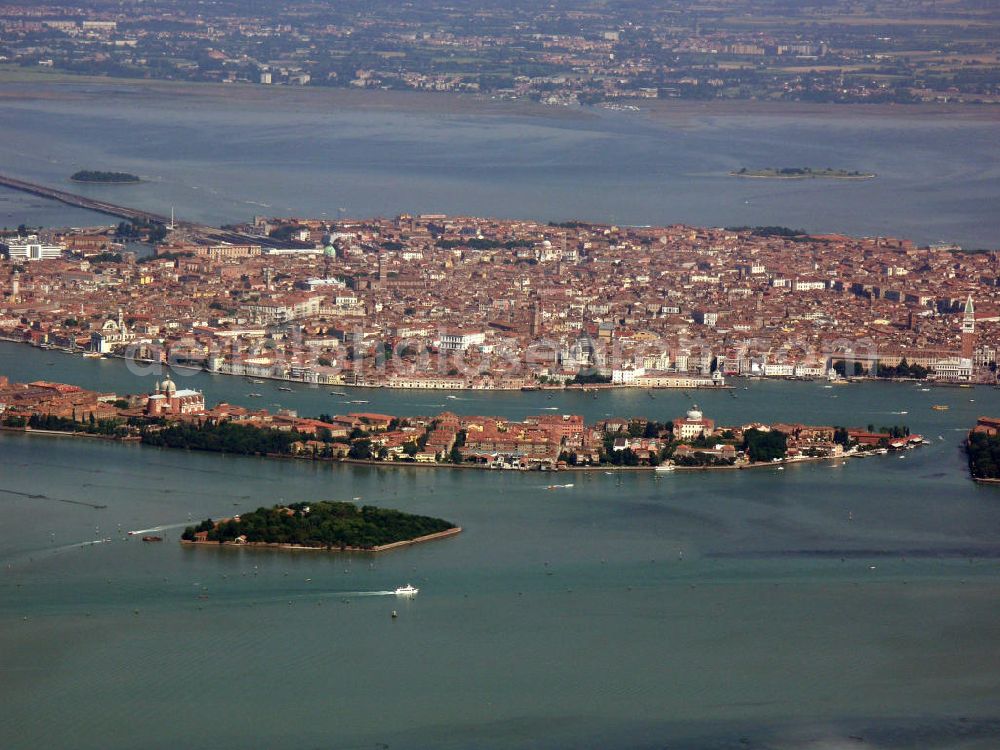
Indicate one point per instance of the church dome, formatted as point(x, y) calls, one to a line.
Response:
point(694, 414)
point(168, 387)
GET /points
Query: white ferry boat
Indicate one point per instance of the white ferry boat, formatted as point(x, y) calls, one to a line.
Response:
point(407, 590)
point(665, 467)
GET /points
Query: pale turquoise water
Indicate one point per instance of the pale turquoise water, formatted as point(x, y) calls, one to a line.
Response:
point(557, 619)
point(222, 158)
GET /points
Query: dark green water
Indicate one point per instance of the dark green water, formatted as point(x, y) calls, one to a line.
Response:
point(810, 605)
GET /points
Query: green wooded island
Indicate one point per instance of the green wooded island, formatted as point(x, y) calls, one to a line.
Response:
point(984, 456)
point(321, 525)
point(803, 173)
point(117, 178)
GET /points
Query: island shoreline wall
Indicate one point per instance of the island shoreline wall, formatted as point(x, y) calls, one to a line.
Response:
point(453, 531)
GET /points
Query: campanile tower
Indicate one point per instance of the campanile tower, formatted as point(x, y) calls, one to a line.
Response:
point(969, 330)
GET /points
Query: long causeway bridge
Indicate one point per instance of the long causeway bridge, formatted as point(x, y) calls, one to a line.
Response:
point(202, 231)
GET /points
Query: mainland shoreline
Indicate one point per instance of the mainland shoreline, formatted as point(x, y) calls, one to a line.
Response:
point(59, 85)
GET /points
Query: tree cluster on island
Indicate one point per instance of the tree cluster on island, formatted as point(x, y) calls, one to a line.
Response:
point(93, 175)
point(800, 172)
point(222, 437)
point(984, 455)
point(89, 425)
point(324, 524)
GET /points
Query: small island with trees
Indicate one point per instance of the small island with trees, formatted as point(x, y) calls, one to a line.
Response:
point(112, 178)
point(324, 525)
point(803, 173)
point(983, 450)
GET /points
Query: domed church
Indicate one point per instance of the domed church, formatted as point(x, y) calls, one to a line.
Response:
point(167, 400)
point(693, 425)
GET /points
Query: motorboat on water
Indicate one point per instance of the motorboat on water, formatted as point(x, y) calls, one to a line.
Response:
point(664, 467)
point(407, 590)
point(284, 388)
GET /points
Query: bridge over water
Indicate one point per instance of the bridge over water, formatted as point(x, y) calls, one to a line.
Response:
point(200, 231)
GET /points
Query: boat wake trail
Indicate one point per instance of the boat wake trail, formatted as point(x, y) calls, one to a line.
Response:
point(361, 593)
point(36, 496)
point(77, 545)
point(164, 527)
point(48, 552)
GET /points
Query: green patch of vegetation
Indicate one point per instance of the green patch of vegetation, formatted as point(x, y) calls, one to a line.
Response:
point(105, 258)
point(91, 426)
point(91, 175)
point(587, 378)
point(481, 243)
point(765, 446)
point(223, 437)
point(801, 173)
point(902, 370)
point(770, 231)
point(984, 455)
point(165, 256)
point(700, 458)
point(329, 525)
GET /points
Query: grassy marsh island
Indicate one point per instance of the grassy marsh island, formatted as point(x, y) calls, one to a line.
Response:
point(803, 173)
point(114, 178)
point(321, 525)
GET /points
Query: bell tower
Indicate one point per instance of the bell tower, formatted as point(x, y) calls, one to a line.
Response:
point(969, 330)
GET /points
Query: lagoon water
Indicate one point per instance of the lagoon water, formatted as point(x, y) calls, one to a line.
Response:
point(223, 154)
point(824, 606)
